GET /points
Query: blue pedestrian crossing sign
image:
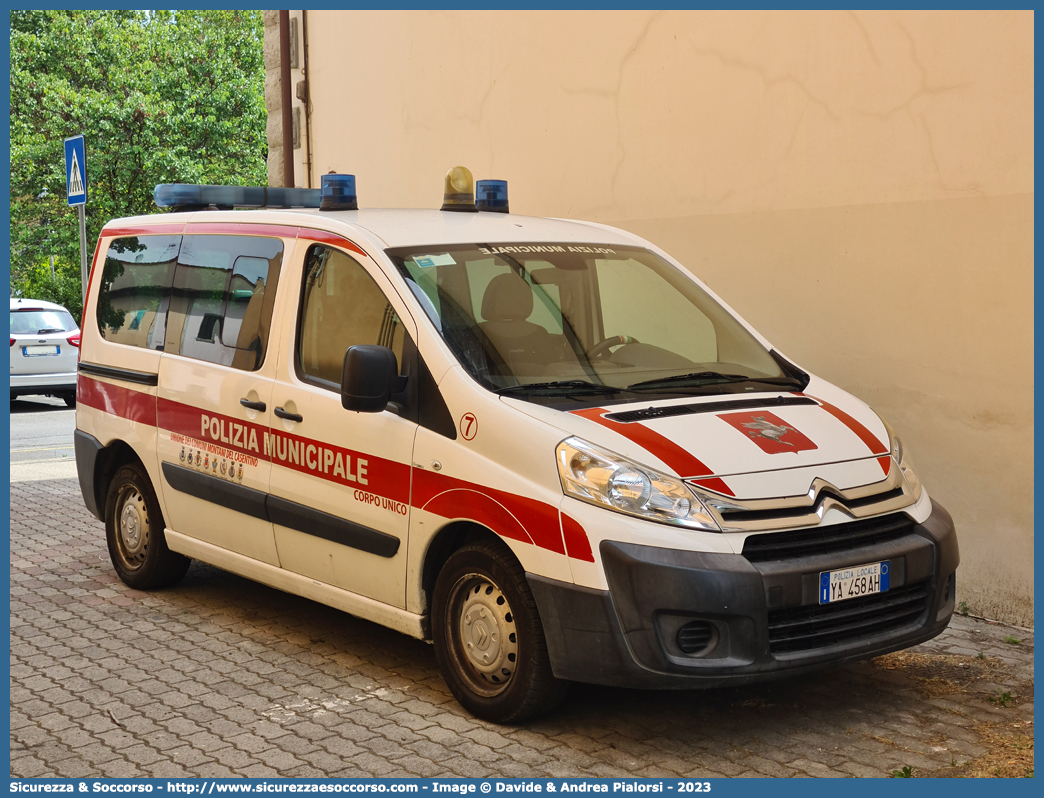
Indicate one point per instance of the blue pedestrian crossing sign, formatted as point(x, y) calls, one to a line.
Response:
point(76, 170)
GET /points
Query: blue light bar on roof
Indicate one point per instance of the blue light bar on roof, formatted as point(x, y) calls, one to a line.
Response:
point(491, 195)
point(338, 193)
point(171, 195)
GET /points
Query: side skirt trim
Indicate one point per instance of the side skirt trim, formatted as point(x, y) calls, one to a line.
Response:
point(277, 510)
point(360, 606)
point(330, 527)
point(218, 491)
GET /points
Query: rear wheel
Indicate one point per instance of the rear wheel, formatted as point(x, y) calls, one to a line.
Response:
point(488, 639)
point(134, 532)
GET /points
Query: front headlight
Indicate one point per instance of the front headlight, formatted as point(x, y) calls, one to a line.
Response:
point(610, 480)
point(902, 459)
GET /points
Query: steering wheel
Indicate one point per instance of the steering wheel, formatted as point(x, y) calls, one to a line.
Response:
point(601, 349)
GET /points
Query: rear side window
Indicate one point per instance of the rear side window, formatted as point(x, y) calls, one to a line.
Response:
point(41, 322)
point(222, 299)
point(135, 289)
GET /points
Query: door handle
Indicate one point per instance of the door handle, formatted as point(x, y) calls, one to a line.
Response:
point(288, 416)
point(259, 406)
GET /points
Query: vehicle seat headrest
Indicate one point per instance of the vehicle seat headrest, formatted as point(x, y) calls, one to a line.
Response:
point(508, 298)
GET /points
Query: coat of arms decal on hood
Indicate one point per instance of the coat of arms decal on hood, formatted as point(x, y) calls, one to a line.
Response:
point(769, 432)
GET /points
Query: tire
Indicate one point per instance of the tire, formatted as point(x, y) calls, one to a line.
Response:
point(69, 399)
point(134, 532)
point(488, 639)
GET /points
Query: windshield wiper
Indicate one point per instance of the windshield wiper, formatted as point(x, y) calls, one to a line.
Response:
point(577, 385)
point(793, 381)
point(48, 330)
point(711, 376)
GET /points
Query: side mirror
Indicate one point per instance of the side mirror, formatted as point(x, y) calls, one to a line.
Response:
point(369, 377)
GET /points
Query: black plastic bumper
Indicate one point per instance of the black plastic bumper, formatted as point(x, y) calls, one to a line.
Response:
point(87, 448)
point(629, 635)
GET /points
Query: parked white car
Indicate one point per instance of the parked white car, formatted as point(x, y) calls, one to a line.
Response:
point(45, 345)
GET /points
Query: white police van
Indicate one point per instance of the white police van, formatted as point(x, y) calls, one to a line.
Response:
point(540, 444)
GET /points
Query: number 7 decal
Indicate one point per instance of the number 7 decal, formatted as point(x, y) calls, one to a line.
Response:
point(468, 426)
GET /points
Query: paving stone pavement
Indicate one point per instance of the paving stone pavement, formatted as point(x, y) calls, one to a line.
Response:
point(220, 677)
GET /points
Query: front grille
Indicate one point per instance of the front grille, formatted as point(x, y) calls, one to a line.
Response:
point(820, 626)
point(736, 516)
point(823, 540)
point(695, 636)
point(645, 414)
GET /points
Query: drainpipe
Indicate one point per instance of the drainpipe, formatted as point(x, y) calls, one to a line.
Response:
point(307, 99)
point(288, 111)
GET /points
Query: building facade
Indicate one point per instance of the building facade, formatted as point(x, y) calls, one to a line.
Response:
point(859, 186)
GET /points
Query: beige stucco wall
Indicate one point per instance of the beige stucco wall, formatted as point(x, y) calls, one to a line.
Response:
point(858, 185)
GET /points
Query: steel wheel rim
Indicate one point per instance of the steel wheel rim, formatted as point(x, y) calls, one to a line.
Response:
point(485, 640)
point(132, 527)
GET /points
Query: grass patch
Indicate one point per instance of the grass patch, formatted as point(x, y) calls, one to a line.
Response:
point(936, 675)
point(1003, 699)
point(1010, 754)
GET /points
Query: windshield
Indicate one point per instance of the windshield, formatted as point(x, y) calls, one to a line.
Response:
point(552, 320)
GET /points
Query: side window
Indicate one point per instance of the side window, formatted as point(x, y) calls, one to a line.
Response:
point(135, 290)
point(341, 306)
point(222, 299)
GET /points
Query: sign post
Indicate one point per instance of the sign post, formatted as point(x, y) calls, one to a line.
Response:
point(76, 191)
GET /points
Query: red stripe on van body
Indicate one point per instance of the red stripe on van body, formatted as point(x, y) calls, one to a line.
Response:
point(323, 237)
point(377, 475)
point(144, 229)
point(237, 228)
point(241, 229)
point(473, 505)
point(220, 430)
point(385, 478)
point(577, 545)
point(510, 515)
point(87, 296)
point(656, 444)
point(867, 437)
point(116, 400)
point(538, 520)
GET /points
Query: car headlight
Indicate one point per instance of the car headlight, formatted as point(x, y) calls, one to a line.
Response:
point(610, 480)
point(902, 459)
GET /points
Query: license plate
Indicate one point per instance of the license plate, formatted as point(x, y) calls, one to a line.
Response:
point(35, 351)
point(853, 582)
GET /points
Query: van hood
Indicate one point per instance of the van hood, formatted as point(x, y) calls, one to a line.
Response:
point(710, 439)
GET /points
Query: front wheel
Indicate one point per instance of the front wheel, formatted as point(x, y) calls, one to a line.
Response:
point(488, 639)
point(134, 532)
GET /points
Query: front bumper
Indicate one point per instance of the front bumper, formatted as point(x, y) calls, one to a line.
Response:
point(759, 619)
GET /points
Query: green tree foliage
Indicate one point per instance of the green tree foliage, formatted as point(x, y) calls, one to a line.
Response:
point(161, 97)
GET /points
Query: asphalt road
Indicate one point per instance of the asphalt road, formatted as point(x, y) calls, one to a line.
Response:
point(42, 439)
